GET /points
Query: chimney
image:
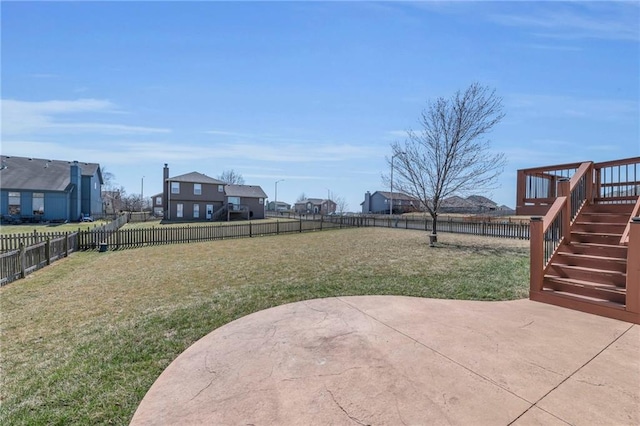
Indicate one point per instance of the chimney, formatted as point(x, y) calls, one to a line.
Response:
point(366, 207)
point(75, 179)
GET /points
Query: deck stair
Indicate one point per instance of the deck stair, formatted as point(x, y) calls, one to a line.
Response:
point(589, 271)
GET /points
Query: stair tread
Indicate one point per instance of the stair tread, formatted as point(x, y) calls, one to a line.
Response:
point(589, 299)
point(586, 268)
point(593, 257)
point(590, 284)
point(580, 243)
point(612, 234)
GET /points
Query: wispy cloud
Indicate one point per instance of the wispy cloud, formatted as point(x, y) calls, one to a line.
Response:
point(57, 116)
point(132, 151)
point(573, 106)
point(577, 20)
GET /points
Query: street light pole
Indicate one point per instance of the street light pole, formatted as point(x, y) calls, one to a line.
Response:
point(275, 202)
point(141, 194)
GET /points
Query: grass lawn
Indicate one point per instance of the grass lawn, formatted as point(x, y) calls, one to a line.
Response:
point(83, 339)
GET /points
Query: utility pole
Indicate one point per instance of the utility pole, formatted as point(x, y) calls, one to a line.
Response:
point(275, 202)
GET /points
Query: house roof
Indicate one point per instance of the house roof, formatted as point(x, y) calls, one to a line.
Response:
point(246, 191)
point(396, 195)
point(195, 177)
point(40, 174)
point(458, 202)
point(479, 199)
point(313, 201)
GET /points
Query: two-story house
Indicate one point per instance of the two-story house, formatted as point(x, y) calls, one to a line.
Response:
point(315, 206)
point(380, 201)
point(196, 196)
point(42, 189)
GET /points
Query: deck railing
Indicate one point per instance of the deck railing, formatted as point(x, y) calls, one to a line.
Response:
point(610, 182)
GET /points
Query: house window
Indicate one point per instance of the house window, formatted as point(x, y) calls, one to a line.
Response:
point(14, 203)
point(220, 188)
point(179, 208)
point(197, 189)
point(196, 211)
point(158, 201)
point(38, 203)
point(261, 201)
point(175, 187)
point(234, 203)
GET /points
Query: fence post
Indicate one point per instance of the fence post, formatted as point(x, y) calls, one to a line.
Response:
point(321, 221)
point(250, 230)
point(300, 223)
point(47, 250)
point(536, 261)
point(23, 261)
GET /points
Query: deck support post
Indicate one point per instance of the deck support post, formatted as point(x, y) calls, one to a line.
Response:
point(633, 267)
point(536, 254)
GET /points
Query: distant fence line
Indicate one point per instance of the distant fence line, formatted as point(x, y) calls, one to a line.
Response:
point(489, 226)
point(132, 238)
point(18, 263)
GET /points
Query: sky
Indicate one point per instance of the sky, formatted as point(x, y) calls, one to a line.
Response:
point(311, 94)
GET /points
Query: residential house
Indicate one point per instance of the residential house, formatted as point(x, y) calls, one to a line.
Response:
point(315, 206)
point(379, 202)
point(195, 196)
point(112, 201)
point(156, 205)
point(474, 204)
point(42, 189)
point(281, 206)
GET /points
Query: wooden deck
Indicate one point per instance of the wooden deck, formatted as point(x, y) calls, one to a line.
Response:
point(585, 246)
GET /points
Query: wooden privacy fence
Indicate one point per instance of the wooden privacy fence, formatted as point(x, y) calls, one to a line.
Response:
point(19, 263)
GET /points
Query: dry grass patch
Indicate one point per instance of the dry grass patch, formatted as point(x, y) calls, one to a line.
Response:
point(83, 339)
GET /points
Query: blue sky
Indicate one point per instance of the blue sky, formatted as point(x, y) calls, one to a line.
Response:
point(310, 92)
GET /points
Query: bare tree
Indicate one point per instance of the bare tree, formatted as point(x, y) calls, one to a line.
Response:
point(301, 197)
point(231, 177)
point(450, 155)
point(341, 202)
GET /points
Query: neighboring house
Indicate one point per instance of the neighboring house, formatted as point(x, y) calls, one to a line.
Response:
point(281, 207)
point(315, 206)
point(112, 201)
point(378, 203)
point(195, 196)
point(473, 204)
point(156, 205)
point(49, 189)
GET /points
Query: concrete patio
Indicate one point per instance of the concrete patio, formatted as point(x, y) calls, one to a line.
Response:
point(387, 360)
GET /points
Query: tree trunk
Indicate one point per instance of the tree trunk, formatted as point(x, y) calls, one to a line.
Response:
point(434, 234)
